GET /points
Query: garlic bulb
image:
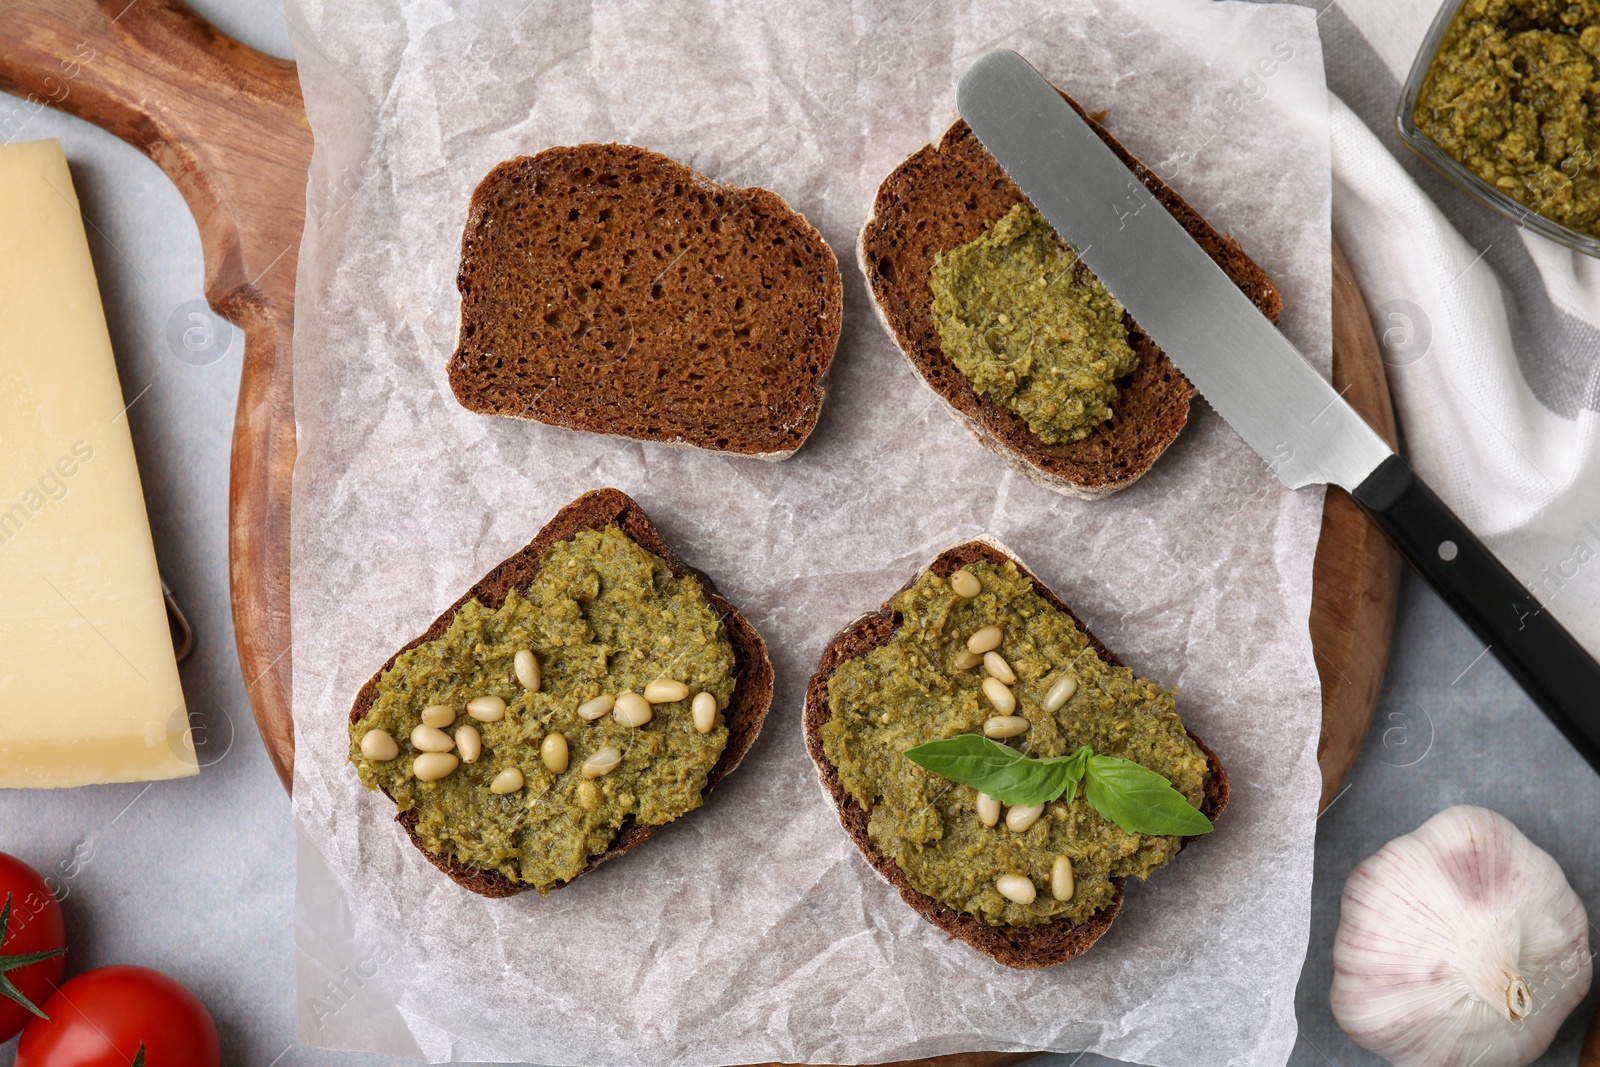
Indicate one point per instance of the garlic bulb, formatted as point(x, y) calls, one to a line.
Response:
point(1459, 943)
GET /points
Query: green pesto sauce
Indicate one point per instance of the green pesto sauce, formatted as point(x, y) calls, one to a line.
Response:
point(908, 692)
point(1031, 327)
point(602, 615)
point(1511, 94)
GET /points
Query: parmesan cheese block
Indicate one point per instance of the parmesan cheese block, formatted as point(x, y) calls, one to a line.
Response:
point(89, 687)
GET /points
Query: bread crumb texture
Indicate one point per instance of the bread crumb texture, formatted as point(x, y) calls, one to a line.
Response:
point(610, 289)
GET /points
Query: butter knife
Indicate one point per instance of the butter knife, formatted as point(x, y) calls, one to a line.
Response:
point(1258, 381)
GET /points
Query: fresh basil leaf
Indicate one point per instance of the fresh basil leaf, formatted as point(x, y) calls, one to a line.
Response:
point(1077, 766)
point(1139, 800)
point(993, 768)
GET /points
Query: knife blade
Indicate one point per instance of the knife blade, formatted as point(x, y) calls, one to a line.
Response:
point(1257, 380)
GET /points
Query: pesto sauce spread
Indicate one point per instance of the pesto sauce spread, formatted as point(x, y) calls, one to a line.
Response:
point(1031, 327)
point(602, 615)
point(1511, 95)
point(907, 692)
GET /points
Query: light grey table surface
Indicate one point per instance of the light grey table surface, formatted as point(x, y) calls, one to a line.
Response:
point(196, 878)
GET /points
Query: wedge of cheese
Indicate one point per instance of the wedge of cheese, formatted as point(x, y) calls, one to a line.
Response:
point(89, 688)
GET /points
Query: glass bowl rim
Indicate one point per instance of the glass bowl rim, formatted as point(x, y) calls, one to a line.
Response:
point(1429, 150)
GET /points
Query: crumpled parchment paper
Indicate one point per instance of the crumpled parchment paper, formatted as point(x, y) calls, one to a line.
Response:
point(752, 929)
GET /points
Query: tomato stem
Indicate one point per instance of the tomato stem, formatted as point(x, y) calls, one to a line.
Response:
point(12, 963)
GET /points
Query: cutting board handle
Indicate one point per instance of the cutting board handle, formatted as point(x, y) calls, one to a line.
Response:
point(228, 126)
point(166, 81)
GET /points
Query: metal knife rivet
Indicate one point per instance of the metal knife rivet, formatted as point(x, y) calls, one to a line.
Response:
point(1447, 550)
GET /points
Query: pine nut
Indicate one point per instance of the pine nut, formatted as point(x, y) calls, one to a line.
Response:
point(1000, 695)
point(432, 766)
point(985, 640)
point(988, 809)
point(439, 715)
point(427, 738)
point(705, 712)
point(966, 584)
point(507, 781)
point(487, 709)
point(527, 670)
point(1003, 726)
point(588, 795)
point(554, 752)
point(1060, 692)
point(1061, 885)
point(632, 710)
point(594, 709)
point(665, 691)
point(469, 742)
point(1017, 888)
point(602, 762)
point(996, 665)
point(379, 746)
point(966, 660)
point(1020, 818)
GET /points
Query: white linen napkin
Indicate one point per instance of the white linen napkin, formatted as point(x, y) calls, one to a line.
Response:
point(1489, 330)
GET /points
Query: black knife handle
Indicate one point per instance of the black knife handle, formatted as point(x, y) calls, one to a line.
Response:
point(1562, 678)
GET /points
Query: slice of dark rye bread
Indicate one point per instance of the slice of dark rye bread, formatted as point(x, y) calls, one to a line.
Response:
point(608, 288)
point(595, 510)
point(941, 198)
point(1022, 947)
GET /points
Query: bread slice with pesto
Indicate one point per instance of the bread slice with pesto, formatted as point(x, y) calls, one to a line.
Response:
point(741, 717)
point(1038, 944)
point(947, 195)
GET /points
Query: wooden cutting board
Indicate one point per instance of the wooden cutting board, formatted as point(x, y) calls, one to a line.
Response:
point(228, 126)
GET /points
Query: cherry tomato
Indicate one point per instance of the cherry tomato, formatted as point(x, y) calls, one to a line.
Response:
point(32, 926)
point(101, 1017)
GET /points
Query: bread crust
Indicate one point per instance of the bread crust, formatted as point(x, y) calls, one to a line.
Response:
point(943, 196)
point(609, 289)
point(595, 510)
point(1021, 947)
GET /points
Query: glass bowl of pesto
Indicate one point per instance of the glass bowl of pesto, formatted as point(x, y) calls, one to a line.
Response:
point(1498, 101)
